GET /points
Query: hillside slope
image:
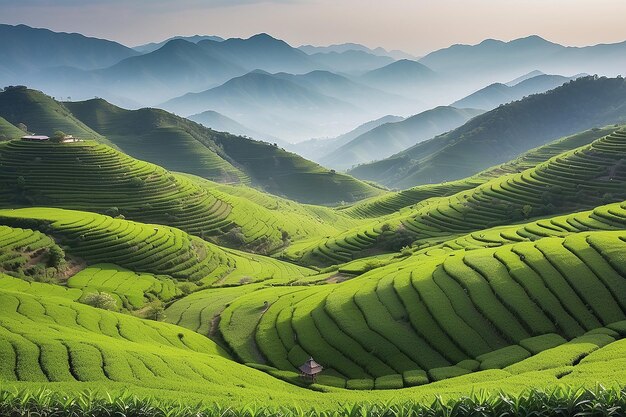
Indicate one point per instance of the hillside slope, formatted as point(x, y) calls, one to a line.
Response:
point(182, 145)
point(41, 114)
point(574, 180)
point(391, 138)
point(493, 95)
point(93, 177)
point(392, 202)
point(502, 134)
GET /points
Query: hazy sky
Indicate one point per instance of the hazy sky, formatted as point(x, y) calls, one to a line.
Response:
point(416, 26)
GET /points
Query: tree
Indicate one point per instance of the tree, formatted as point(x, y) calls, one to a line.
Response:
point(102, 300)
point(56, 256)
point(526, 210)
point(23, 127)
point(155, 311)
point(58, 136)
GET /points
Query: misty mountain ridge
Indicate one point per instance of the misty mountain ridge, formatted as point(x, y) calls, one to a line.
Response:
point(153, 46)
point(390, 138)
point(496, 94)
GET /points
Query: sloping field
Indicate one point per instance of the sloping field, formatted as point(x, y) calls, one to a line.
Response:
point(94, 177)
point(49, 338)
point(426, 319)
point(576, 180)
point(154, 249)
point(389, 203)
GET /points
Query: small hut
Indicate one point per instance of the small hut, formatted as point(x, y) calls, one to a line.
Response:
point(310, 369)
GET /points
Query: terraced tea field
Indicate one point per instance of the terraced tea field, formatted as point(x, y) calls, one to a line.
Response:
point(509, 280)
point(94, 177)
point(443, 316)
point(579, 179)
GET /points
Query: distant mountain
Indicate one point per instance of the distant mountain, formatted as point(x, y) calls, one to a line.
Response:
point(390, 138)
point(261, 52)
point(346, 47)
point(315, 149)
point(504, 133)
point(376, 102)
point(179, 66)
point(493, 95)
point(524, 77)
point(153, 46)
point(217, 121)
point(271, 104)
point(404, 77)
point(505, 60)
point(24, 50)
point(350, 61)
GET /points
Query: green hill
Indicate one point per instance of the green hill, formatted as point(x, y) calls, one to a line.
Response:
point(504, 133)
point(179, 144)
point(575, 180)
point(8, 131)
point(159, 137)
point(446, 316)
point(41, 114)
point(93, 177)
point(389, 203)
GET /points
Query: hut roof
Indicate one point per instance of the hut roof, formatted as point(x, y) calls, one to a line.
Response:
point(311, 367)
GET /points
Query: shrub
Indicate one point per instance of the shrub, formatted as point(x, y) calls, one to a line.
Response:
point(155, 311)
point(437, 374)
point(393, 381)
point(56, 256)
point(415, 378)
point(540, 343)
point(360, 384)
point(101, 300)
point(504, 357)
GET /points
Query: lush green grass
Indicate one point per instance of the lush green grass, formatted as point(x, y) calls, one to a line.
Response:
point(78, 347)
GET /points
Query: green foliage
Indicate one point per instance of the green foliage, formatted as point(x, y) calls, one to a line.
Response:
point(101, 300)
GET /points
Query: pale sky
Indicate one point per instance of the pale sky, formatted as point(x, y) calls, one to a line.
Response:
point(415, 26)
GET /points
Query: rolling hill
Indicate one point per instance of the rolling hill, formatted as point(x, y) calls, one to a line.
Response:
point(182, 145)
point(107, 181)
point(496, 94)
point(392, 202)
point(391, 138)
point(579, 179)
point(503, 133)
point(41, 114)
